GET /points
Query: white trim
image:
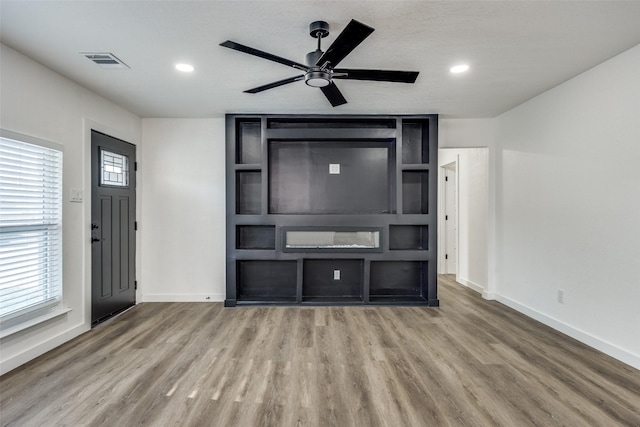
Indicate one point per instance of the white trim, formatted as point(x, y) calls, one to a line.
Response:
point(588, 339)
point(50, 314)
point(41, 348)
point(442, 225)
point(489, 295)
point(182, 298)
point(469, 284)
point(17, 136)
point(458, 174)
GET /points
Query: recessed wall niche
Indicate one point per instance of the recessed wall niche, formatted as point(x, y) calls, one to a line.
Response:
point(248, 192)
point(331, 177)
point(248, 144)
point(256, 237)
point(408, 237)
point(331, 209)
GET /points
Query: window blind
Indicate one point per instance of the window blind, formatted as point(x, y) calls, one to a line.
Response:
point(30, 228)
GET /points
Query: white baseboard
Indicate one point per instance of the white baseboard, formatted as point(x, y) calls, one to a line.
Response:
point(489, 295)
point(588, 339)
point(182, 298)
point(41, 348)
point(470, 284)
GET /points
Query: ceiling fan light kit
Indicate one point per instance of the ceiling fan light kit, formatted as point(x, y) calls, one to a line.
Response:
point(317, 78)
point(320, 68)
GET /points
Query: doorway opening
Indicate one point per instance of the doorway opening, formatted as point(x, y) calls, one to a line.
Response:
point(463, 215)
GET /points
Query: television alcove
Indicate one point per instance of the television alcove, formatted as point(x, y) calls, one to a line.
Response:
point(331, 209)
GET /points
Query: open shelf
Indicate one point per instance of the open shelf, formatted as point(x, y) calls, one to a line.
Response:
point(332, 279)
point(248, 192)
point(270, 280)
point(415, 192)
point(249, 141)
point(256, 237)
point(394, 279)
point(415, 142)
point(408, 237)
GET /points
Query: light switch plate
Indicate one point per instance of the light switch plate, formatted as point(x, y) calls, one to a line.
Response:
point(336, 274)
point(334, 168)
point(75, 195)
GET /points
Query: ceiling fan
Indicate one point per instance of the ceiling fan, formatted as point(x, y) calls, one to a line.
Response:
point(319, 71)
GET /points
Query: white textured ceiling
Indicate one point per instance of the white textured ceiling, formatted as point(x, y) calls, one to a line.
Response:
point(516, 49)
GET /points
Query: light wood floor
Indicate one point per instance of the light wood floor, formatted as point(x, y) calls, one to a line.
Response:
point(468, 363)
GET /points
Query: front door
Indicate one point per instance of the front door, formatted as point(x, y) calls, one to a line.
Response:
point(113, 215)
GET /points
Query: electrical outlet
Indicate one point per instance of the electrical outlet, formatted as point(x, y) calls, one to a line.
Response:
point(560, 296)
point(334, 168)
point(336, 274)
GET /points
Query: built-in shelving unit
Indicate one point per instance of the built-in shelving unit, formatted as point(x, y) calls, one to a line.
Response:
point(331, 209)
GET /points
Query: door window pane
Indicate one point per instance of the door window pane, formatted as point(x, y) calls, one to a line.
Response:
point(114, 169)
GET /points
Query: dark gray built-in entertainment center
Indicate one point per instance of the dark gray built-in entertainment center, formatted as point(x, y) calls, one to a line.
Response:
point(331, 209)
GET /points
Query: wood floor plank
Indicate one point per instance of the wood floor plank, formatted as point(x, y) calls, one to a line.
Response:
point(470, 362)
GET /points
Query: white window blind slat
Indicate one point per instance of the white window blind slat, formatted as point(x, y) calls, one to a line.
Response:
point(23, 257)
point(29, 291)
point(20, 276)
point(30, 227)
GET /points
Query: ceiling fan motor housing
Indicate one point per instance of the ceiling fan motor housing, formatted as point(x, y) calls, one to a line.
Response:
point(312, 58)
point(316, 76)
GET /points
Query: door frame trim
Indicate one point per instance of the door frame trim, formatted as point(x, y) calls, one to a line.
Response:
point(442, 263)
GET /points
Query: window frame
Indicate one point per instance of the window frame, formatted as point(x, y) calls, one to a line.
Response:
point(30, 315)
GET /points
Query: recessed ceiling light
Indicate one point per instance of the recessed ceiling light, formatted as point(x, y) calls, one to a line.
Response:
point(461, 68)
point(185, 67)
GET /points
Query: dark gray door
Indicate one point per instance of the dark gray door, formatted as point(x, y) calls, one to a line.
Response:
point(113, 215)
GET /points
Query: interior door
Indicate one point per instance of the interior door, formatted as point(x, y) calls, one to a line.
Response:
point(113, 213)
point(451, 232)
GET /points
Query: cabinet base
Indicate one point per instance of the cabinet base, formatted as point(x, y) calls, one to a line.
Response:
point(374, 301)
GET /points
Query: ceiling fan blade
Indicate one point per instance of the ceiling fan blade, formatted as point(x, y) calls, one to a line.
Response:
point(333, 94)
point(377, 75)
point(352, 35)
point(255, 52)
point(275, 84)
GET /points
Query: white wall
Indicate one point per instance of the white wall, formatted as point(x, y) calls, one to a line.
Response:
point(568, 206)
point(472, 179)
point(38, 102)
point(182, 227)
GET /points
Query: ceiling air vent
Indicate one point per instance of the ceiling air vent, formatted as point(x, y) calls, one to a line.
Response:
point(104, 59)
